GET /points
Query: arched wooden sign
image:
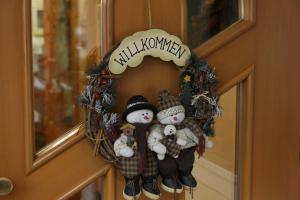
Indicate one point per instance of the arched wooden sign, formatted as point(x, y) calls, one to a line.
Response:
point(153, 42)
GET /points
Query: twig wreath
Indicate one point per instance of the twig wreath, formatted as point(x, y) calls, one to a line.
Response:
point(196, 80)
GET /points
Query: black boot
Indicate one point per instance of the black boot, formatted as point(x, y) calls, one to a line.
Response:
point(132, 188)
point(187, 180)
point(150, 188)
point(171, 185)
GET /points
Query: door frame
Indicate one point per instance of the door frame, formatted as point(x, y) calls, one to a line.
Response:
point(108, 175)
point(245, 81)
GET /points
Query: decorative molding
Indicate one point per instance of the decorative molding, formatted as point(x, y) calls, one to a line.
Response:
point(28, 115)
point(215, 177)
point(246, 21)
point(243, 75)
point(106, 25)
point(183, 20)
point(107, 172)
point(246, 137)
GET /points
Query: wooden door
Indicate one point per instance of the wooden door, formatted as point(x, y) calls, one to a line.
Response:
point(260, 51)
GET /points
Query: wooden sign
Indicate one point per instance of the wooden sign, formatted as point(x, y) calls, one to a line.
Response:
point(153, 42)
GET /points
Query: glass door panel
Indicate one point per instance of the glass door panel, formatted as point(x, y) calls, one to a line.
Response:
point(65, 34)
point(217, 171)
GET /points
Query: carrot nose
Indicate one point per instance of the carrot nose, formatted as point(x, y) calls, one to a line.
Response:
point(146, 117)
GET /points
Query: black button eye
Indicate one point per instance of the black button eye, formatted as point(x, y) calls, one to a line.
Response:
point(143, 114)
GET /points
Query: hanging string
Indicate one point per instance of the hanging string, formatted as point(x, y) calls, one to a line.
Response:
point(149, 14)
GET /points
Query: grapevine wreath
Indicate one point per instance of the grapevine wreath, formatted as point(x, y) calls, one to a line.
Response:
point(196, 80)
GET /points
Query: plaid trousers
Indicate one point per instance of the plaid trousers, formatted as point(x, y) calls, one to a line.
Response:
point(130, 166)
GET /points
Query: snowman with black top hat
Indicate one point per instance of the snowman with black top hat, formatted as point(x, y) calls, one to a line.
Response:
point(137, 161)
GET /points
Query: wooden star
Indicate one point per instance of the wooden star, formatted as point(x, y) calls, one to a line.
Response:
point(187, 78)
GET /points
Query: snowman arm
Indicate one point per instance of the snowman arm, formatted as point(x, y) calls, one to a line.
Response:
point(119, 144)
point(154, 143)
point(190, 135)
point(154, 140)
point(193, 126)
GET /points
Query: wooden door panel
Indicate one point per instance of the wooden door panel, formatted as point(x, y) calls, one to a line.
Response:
point(271, 46)
point(61, 176)
point(276, 135)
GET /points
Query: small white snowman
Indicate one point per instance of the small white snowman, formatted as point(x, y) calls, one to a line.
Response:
point(169, 130)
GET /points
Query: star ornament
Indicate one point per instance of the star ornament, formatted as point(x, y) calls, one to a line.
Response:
point(187, 78)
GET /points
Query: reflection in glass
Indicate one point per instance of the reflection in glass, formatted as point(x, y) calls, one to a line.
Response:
point(216, 172)
point(206, 18)
point(93, 191)
point(63, 34)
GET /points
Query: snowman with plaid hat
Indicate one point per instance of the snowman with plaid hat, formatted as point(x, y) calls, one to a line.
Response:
point(137, 160)
point(175, 155)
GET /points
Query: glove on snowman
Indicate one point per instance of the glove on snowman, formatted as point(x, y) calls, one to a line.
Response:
point(137, 160)
point(171, 116)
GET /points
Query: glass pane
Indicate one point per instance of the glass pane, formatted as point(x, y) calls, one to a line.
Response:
point(216, 172)
point(63, 34)
point(207, 18)
point(94, 191)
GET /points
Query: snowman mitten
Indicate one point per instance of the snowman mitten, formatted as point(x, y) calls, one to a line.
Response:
point(181, 141)
point(126, 152)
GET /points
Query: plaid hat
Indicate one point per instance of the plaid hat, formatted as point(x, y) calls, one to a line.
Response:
point(168, 105)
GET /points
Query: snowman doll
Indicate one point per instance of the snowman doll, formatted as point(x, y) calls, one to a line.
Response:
point(137, 160)
point(189, 135)
point(166, 142)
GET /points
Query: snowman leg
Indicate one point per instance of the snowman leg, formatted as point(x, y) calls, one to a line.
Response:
point(149, 177)
point(132, 189)
point(130, 171)
point(168, 170)
point(185, 164)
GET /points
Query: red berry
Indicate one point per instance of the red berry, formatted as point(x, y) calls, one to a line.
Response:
point(103, 72)
point(103, 82)
point(97, 95)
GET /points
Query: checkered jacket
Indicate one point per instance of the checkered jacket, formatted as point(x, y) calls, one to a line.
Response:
point(173, 149)
point(130, 166)
point(192, 125)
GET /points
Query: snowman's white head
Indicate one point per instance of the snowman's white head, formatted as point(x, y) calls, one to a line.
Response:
point(144, 116)
point(173, 118)
point(171, 111)
point(170, 130)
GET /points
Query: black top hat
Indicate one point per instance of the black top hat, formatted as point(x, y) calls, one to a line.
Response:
point(138, 102)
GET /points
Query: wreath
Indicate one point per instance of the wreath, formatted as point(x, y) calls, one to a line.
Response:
point(196, 80)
